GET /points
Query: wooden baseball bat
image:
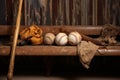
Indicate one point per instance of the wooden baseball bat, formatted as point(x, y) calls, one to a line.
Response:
point(87, 38)
point(12, 56)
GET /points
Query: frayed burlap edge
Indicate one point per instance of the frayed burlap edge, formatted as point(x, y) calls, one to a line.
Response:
point(86, 52)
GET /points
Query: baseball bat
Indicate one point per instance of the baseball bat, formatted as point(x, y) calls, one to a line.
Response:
point(15, 38)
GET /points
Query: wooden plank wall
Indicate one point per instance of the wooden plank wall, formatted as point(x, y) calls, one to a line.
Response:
point(66, 12)
point(2, 12)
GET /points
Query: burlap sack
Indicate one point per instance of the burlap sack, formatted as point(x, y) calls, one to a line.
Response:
point(86, 51)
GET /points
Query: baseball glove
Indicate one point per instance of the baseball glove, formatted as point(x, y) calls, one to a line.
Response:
point(32, 34)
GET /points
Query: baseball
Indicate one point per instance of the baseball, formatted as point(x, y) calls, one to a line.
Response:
point(49, 38)
point(61, 39)
point(74, 38)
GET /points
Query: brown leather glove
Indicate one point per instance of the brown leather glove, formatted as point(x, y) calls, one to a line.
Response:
point(33, 34)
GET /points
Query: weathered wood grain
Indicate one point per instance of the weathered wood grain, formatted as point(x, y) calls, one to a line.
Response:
point(76, 12)
point(56, 51)
point(87, 30)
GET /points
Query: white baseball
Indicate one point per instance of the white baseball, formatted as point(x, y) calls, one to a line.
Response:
point(61, 39)
point(49, 38)
point(74, 38)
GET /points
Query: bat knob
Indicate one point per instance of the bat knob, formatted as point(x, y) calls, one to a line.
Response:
point(9, 76)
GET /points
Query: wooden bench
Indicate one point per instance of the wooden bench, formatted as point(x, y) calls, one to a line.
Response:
point(45, 50)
